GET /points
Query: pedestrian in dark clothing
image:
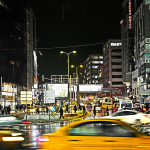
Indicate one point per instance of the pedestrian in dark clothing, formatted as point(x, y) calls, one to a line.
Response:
point(67, 108)
point(16, 108)
point(2, 111)
point(83, 110)
point(5, 109)
point(146, 106)
point(47, 110)
point(94, 111)
point(107, 111)
point(75, 108)
point(0, 108)
point(79, 107)
point(61, 113)
point(8, 110)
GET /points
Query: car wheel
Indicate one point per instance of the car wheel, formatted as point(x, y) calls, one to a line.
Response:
point(137, 122)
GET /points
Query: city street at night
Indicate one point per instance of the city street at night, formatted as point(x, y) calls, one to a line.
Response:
point(75, 75)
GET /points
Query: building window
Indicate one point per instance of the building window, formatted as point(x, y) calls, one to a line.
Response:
point(116, 70)
point(147, 70)
point(97, 62)
point(116, 50)
point(116, 63)
point(100, 57)
point(116, 57)
point(116, 83)
point(94, 67)
point(116, 76)
point(147, 58)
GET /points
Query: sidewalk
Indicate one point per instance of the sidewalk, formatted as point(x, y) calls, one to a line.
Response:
point(68, 117)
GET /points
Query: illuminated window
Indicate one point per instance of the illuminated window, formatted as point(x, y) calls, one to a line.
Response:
point(94, 67)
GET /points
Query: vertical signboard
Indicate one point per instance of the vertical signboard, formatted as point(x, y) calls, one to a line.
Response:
point(49, 96)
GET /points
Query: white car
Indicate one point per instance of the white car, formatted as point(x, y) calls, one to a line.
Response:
point(148, 113)
point(131, 117)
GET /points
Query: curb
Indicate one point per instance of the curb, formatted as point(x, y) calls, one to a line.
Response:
point(75, 118)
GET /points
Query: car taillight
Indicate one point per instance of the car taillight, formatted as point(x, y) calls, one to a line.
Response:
point(26, 122)
point(146, 116)
point(42, 139)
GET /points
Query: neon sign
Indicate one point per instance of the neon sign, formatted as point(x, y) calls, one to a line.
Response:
point(130, 17)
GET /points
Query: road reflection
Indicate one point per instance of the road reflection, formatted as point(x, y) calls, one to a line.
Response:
point(35, 130)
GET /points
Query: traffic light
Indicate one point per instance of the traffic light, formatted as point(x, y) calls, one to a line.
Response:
point(42, 77)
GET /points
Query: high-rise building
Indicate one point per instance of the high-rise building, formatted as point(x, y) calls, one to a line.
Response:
point(91, 65)
point(17, 45)
point(141, 75)
point(112, 64)
point(127, 35)
point(32, 80)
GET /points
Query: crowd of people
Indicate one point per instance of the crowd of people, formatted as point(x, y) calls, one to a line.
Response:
point(5, 109)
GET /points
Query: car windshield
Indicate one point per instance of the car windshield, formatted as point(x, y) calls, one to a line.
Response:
point(126, 105)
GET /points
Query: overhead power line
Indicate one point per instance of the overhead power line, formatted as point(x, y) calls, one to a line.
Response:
point(62, 46)
point(73, 46)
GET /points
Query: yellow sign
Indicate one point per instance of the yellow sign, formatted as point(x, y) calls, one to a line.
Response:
point(52, 113)
point(24, 102)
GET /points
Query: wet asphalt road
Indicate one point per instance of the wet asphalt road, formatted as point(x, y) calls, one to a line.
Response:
point(35, 130)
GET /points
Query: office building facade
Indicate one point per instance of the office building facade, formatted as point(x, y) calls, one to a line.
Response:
point(17, 42)
point(112, 64)
point(91, 65)
point(141, 75)
point(127, 35)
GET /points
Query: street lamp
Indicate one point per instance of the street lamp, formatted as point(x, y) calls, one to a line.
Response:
point(81, 66)
point(62, 52)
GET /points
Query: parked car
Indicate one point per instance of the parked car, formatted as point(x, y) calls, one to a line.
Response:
point(130, 116)
point(106, 134)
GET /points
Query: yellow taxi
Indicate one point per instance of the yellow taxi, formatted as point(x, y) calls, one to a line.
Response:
point(104, 105)
point(94, 134)
point(30, 109)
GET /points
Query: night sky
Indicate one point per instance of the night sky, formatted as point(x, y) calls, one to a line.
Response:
point(63, 23)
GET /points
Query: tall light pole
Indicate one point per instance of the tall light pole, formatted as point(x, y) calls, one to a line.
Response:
point(73, 52)
point(81, 66)
point(62, 52)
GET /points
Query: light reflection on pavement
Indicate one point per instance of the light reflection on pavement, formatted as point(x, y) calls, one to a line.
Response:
point(35, 130)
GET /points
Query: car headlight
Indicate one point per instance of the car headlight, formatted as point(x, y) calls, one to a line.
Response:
point(16, 134)
point(18, 138)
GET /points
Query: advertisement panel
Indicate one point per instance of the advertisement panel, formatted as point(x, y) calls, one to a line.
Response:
point(90, 88)
point(61, 90)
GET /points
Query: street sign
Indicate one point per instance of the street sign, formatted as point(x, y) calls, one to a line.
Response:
point(49, 101)
point(49, 96)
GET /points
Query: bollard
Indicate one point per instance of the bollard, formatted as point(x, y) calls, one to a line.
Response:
point(49, 115)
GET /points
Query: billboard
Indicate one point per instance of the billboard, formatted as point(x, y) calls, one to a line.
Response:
point(61, 89)
point(89, 88)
